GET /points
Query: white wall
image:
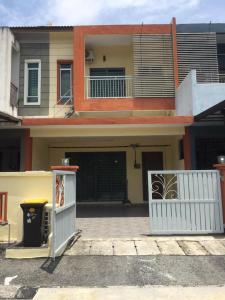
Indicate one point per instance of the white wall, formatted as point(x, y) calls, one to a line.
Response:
point(193, 98)
point(6, 44)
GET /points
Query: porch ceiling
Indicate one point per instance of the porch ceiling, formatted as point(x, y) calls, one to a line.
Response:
point(117, 131)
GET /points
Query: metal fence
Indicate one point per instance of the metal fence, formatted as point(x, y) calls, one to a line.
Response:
point(185, 202)
point(109, 86)
point(64, 210)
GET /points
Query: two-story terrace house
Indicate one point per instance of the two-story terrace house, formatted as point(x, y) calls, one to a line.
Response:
point(104, 96)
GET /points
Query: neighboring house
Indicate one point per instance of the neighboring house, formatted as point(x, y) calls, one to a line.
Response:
point(105, 97)
point(11, 140)
point(201, 49)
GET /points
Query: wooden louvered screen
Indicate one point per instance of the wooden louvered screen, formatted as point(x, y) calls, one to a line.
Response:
point(198, 51)
point(153, 65)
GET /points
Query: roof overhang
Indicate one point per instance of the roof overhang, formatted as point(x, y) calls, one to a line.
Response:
point(215, 113)
point(5, 119)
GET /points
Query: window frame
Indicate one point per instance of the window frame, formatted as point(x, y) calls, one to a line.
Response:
point(26, 62)
point(59, 63)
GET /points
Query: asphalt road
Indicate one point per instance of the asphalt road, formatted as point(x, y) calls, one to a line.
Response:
point(115, 270)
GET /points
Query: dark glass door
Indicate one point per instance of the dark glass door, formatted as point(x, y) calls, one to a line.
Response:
point(101, 177)
point(105, 82)
point(150, 161)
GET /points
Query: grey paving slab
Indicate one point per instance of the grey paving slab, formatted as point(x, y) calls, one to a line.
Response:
point(147, 247)
point(193, 248)
point(133, 293)
point(124, 248)
point(101, 248)
point(170, 248)
point(80, 247)
point(214, 247)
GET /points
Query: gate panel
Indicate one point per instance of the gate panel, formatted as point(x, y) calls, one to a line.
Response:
point(188, 202)
point(64, 210)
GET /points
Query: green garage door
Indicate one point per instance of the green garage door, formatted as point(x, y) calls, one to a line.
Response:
point(101, 177)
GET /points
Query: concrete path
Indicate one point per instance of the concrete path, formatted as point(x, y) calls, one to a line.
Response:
point(133, 293)
point(149, 246)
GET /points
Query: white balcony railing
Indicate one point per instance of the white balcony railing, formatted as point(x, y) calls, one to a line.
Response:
point(109, 86)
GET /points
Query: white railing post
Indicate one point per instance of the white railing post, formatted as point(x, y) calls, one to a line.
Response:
point(109, 86)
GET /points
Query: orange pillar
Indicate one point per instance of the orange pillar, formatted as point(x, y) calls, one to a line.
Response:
point(187, 149)
point(27, 151)
point(221, 168)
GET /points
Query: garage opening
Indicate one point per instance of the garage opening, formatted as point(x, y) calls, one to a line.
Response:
point(101, 176)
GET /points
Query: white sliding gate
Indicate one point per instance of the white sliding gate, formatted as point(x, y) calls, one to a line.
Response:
point(63, 211)
point(185, 202)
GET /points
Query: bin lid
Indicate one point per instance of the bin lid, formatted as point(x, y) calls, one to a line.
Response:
point(35, 201)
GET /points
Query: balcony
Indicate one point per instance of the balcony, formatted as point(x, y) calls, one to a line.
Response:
point(109, 87)
point(194, 98)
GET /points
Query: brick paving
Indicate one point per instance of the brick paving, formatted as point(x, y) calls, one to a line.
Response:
point(114, 227)
point(120, 230)
point(112, 221)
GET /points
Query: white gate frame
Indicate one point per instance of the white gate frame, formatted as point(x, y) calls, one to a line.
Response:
point(193, 205)
point(63, 214)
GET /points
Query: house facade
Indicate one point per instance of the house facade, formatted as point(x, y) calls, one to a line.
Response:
point(202, 92)
point(116, 100)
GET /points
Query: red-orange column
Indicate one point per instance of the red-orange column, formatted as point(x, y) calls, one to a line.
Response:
point(187, 149)
point(221, 168)
point(175, 58)
point(27, 151)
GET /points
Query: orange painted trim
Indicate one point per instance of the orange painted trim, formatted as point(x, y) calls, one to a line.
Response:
point(160, 120)
point(59, 62)
point(187, 149)
point(221, 168)
point(65, 168)
point(175, 57)
point(27, 151)
point(3, 204)
point(116, 104)
point(124, 29)
point(79, 34)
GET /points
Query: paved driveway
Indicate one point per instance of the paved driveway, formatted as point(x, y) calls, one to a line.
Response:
point(112, 221)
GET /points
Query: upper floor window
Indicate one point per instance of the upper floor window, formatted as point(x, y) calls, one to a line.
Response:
point(32, 82)
point(65, 69)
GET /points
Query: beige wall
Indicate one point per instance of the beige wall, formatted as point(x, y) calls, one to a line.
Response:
point(22, 186)
point(60, 48)
point(40, 155)
point(116, 57)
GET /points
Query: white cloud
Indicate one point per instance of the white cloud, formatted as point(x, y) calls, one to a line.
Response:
point(75, 12)
point(93, 11)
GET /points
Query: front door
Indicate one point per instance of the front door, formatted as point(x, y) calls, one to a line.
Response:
point(101, 176)
point(150, 161)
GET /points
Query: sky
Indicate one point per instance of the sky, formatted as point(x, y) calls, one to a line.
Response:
point(80, 12)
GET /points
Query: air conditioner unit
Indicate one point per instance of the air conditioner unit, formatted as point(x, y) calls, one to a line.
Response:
point(89, 55)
